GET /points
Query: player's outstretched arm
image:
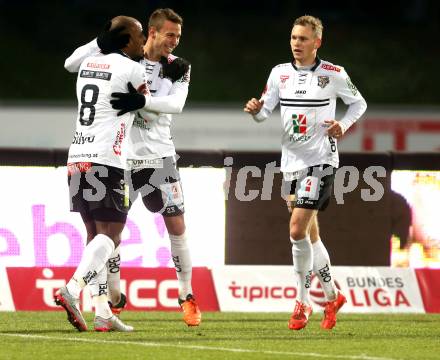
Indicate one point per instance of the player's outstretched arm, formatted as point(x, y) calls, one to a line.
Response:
point(106, 42)
point(74, 61)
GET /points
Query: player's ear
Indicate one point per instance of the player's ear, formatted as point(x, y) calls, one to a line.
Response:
point(151, 32)
point(318, 43)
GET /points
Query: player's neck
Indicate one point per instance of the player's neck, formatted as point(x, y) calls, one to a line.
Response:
point(305, 62)
point(309, 61)
point(150, 54)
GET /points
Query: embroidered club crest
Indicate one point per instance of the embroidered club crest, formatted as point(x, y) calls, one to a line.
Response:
point(323, 81)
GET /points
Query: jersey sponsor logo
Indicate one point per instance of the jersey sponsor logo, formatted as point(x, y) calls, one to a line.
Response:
point(330, 67)
point(351, 86)
point(283, 78)
point(299, 123)
point(79, 167)
point(141, 122)
point(300, 92)
point(323, 81)
point(80, 139)
point(98, 66)
point(298, 132)
point(117, 146)
point(332, 145)
point(100, 75)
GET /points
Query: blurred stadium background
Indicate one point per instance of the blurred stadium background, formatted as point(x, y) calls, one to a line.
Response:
point(391, 52)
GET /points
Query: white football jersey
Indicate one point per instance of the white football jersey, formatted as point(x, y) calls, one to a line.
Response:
point(100, 134)
point(151, 138)
point(307, 98)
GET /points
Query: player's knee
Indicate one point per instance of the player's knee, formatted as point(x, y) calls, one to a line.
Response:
point(175, 225)
point(296, 233)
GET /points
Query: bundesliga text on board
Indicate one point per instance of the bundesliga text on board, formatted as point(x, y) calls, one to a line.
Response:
point(272, 288)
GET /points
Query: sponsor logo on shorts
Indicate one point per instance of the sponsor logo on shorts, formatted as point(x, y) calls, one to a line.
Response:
point(79, 167)
point(145, 163)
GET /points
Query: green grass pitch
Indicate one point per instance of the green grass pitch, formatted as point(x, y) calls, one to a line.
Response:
point(163, 335)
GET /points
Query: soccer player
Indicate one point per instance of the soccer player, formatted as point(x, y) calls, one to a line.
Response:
point(96, 165)
point(152, 155)
point(307, 89)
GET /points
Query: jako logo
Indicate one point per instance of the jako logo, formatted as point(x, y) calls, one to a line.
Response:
point(300, 92)
point(317, 295)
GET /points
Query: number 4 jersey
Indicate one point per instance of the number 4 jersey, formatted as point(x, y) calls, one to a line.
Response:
point(100, 134)
point(307, 97)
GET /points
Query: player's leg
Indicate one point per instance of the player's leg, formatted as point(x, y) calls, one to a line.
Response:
point(112, 226)
point(302, 255)
point(323, 270)
point(92, 263)
point(77, 184)
point(109, 213)
point(180, 253)
point(117, 300)
point(321, 262)
point(162, 193)
point(109, 222)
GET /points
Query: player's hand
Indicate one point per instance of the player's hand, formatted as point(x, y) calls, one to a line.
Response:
point(112, 40)
point(175, 69)
point(334, 128)
point(126, 102)
point(253, 106)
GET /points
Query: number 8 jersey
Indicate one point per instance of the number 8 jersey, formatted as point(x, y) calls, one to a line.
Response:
point(307, 97)
point(100, 134)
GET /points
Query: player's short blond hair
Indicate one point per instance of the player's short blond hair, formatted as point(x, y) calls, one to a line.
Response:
point(313, 22)
point(159, 16)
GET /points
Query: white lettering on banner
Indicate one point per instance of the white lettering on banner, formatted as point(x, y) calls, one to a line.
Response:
point(162, 290)
point(6, 301)
point(49, 286)
point(271, 288)
point(135, 286)
point(380, 297)
point(164, 287)
point(254, 288)
point(260, 292)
